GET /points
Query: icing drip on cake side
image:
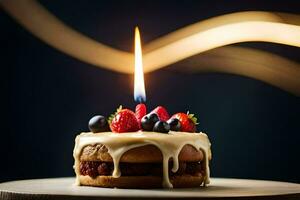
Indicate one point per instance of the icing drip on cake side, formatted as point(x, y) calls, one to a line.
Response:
point(170, 146)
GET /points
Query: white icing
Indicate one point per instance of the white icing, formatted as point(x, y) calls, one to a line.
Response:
point(170, 146)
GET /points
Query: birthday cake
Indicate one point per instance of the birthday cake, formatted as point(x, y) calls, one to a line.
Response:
point(139, 150)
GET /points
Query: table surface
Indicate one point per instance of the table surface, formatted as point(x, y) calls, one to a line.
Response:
point(63, 188)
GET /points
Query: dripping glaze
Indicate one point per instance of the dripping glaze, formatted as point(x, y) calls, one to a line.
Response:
point(170, 146)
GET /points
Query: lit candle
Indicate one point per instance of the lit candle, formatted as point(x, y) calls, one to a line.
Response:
point(139, 84)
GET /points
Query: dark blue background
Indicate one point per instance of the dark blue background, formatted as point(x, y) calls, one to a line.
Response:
point(48, 97)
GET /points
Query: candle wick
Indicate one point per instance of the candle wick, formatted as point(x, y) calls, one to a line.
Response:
point(140, 100)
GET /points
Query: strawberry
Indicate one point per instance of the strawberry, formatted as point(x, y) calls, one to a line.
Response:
point(188, 121)
point(162, 113)
point(123, 120)
point(140, 111)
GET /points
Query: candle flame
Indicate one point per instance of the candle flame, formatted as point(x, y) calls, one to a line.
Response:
point(139, 84)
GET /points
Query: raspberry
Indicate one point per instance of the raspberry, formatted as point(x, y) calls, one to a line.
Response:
point(162, 113)
point(140, 112)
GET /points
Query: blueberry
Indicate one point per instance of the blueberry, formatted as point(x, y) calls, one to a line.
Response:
point(98, 123)
point(175, 124)
point(162, 127)
point(148, 121)
point(153, 117)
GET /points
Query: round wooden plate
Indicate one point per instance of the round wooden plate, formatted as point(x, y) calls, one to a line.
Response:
point(63, 188)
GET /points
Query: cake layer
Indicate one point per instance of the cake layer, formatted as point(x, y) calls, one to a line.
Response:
point(143, 154)
point(143, 147)
point(185, 181)
point(96, 168)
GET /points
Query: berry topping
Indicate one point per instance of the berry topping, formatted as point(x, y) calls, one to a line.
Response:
point(188, 121)
point(98, 123)
point(140, 111)
point(89, 168)
point(162, 113)
point(148, 121)
point(162, 127)
point(123, 120)
point(175, 124)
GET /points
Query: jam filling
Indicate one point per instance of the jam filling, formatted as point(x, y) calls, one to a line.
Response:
point(98, 168)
